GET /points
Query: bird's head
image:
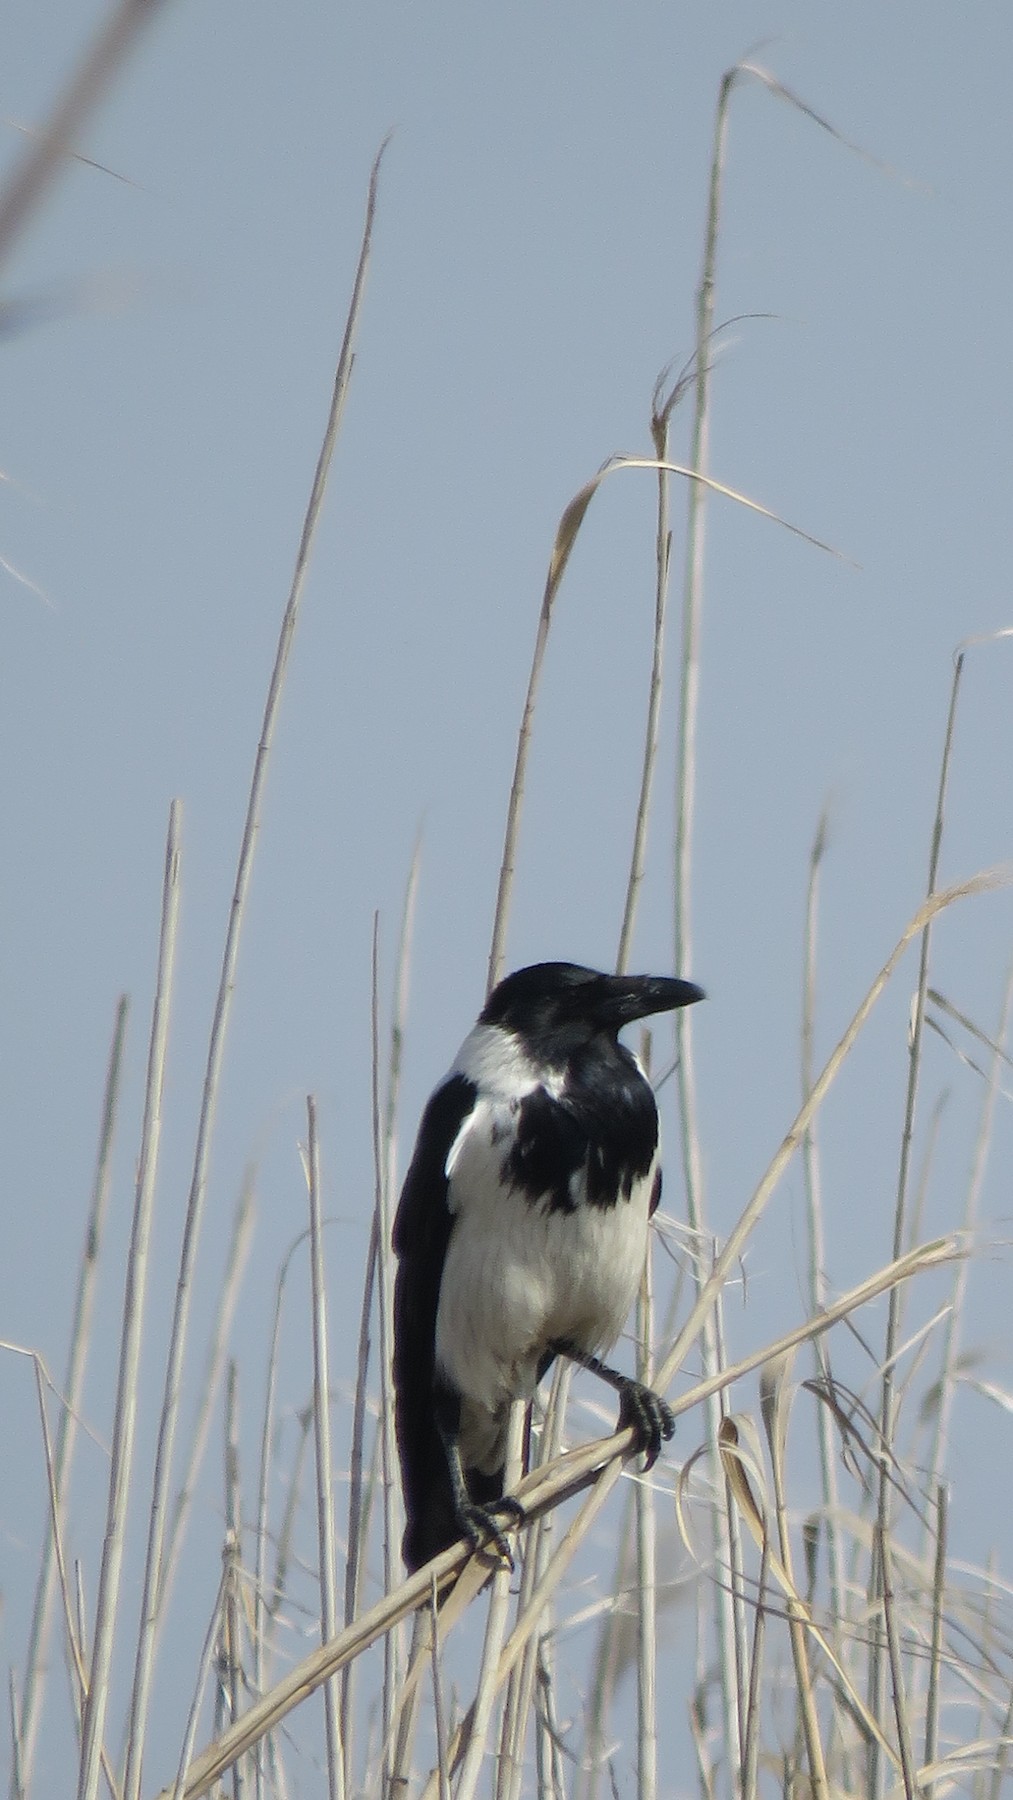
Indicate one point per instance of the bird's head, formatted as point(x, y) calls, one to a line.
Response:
point(557, 997)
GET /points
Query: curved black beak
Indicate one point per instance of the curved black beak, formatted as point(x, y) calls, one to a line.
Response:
point(628, 997)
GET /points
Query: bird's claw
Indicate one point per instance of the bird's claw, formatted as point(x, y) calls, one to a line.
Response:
point(650, 1417)
point(478, 1525)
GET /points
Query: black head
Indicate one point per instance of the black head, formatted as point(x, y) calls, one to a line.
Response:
point(552, 997)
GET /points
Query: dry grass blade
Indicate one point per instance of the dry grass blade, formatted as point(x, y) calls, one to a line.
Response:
point(66, 1432)
point(133, 1322)
point(153, 1573)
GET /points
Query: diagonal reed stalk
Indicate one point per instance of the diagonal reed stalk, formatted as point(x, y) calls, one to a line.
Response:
point(154, 1571)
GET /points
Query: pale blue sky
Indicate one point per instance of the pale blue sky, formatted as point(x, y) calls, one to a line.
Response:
point(537, 249)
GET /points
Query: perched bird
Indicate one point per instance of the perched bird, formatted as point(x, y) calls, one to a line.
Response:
point(521, 1235)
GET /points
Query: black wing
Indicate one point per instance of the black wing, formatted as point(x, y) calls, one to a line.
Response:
point(421, 1233)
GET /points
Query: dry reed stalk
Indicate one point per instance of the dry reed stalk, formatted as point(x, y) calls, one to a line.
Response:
point(263, 1613)
point(385, 1164)
point(727, 1628)
point(774, 1411)
point(645, 1516)
point(33, 1693)
point(127, 1381)
point(385, 1304)
point(204, 1666)
point(931, 1747)
point(877, 1660)
point(232, 1557)
point(952, 1344)
point(534, 1548)
point(817, 1280)
point(322, 1441)
point(154, 1571)
point(224, 1314)
point(74, 1611)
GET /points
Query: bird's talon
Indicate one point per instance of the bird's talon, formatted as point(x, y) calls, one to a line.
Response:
point(650, 1416)
point(478, 1525)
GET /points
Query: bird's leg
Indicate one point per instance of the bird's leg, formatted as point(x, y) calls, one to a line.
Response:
point(478, 1523)
point(650, 1416)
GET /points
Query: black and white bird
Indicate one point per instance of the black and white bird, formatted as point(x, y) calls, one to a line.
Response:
point(521, 1235)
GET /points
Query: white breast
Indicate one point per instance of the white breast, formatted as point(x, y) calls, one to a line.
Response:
point(518, 1275)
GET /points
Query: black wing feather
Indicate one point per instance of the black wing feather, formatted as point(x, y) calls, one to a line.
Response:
point(422, 1230)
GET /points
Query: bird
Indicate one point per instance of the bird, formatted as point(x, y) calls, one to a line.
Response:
point(521, 1235)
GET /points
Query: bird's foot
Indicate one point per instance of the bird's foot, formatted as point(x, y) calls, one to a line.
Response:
point(478, 1525)
point(650, 1416)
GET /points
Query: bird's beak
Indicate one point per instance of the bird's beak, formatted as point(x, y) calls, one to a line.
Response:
point(628, 997)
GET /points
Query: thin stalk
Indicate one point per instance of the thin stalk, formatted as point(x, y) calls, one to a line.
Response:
point(663, 553)
point(520, 1689)
point(439, 1706)
point(66, 1432)
point(814, 1205)
point(751, 1733)
point(406, 1719)
point(232, 1564)
point(355, 1560)
point(385, 1299)
point(886, 1410)
point(322, 1439)
point(1001, 1764)
point(262, 1609)
point(647, 1575)
point(153, 1571)
point(954, 1322)
point(689, 703)
point(900, 1711)
point(473, 1736)
point(225, 1310)
point(203, 1673)
point(774, 1404)
point(936, 1647)
point(125, 1420)
point(356, 1535)
point(17, 1768)
point(733, 1539)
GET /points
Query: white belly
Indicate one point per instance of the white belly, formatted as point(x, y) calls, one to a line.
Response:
point(518, 1276)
